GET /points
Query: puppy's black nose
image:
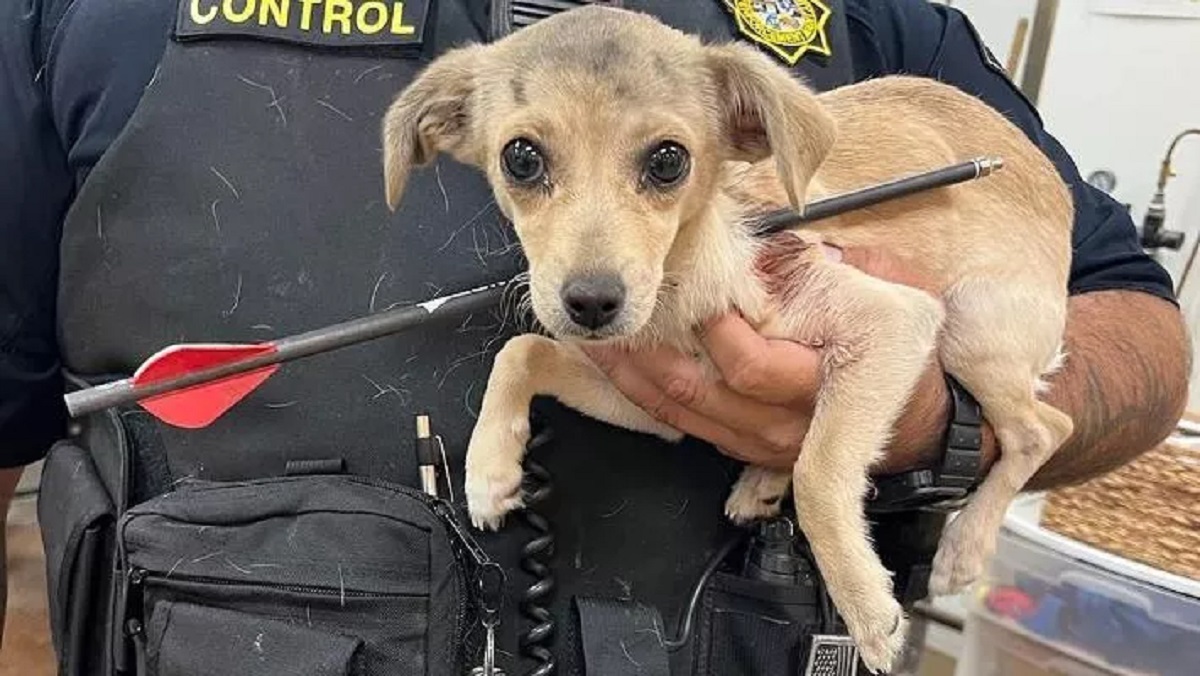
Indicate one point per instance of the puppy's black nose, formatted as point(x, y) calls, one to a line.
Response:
point(594, 301)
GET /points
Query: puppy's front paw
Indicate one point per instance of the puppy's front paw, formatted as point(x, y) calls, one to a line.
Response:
point(757, 494)
point(494, 473)
point(492, 493)
point(962, 554)
point(745, 506)
point(880, 637)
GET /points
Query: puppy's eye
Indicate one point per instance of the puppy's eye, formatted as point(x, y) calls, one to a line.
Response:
point(523, 161)
point(667, 164)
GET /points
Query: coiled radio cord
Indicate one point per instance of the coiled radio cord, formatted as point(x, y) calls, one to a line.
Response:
point(535, 557)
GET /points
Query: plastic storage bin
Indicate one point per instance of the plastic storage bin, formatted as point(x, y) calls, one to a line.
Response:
point(1052, 606)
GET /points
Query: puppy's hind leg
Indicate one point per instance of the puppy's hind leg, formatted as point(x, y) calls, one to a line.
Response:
point(525, 367)
point(1000, 342)
point(863, 393)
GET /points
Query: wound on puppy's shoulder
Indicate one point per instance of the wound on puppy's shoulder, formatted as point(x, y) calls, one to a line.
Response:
point(782, 260)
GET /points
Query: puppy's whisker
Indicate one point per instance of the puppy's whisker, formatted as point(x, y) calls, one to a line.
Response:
point(516, 301)
point(517, 291)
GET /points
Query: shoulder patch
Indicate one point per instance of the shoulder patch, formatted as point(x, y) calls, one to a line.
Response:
point(788, 28)
point(319, 23)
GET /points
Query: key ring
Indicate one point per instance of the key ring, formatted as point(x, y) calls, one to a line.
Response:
point(490, 580)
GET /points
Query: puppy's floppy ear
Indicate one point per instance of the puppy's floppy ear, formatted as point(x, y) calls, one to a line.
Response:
point(764, 110)
point(431, 115)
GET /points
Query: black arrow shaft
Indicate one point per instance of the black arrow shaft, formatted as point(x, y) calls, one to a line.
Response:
point(860, 199)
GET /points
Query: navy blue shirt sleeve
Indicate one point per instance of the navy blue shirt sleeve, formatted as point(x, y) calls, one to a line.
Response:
point(35, 189)
point(920, 38)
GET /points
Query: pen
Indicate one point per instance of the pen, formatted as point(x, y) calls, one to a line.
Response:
point(426, 456)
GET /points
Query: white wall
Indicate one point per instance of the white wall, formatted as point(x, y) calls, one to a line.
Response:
point(1116, 90)
point(997, 21)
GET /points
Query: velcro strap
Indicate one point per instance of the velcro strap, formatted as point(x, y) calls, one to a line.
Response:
point(528, 12)
point(315, 467)
point(620, 637)
point(506, 16)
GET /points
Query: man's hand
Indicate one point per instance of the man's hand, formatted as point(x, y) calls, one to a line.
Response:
point(759, 410)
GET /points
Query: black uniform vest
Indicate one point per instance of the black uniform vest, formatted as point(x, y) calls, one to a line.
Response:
point(244, 201)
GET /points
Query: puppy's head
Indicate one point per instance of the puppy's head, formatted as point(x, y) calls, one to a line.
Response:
point(603, 134)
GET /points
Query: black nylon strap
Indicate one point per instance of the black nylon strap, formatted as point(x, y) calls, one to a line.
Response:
point(964, 440)
point(620, 637)
point(945, 487)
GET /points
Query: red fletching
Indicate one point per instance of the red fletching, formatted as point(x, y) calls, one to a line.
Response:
point(198, 406)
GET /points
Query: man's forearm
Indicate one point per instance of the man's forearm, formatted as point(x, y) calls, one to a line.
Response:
point(1124, 383)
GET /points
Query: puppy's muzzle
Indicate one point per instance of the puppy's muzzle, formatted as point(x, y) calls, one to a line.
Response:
point(593, 301)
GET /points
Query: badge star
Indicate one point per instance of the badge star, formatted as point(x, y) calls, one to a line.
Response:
point(821, 44)
point(791, 54)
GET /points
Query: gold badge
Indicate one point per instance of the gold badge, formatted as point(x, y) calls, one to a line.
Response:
point(789, 28)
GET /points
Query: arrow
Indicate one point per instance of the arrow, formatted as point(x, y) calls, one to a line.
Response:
point(191, 385)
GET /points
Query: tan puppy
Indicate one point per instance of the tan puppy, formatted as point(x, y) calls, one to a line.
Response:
point(629, 155)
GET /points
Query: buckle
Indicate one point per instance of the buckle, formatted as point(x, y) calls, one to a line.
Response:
point(919, 489)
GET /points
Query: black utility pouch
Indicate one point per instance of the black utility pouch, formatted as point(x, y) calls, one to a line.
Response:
point(754, 628)
point(318, 575)
point(78, 525)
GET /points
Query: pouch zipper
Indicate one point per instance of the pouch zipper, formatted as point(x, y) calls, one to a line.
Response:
point(133, 619)
point(144, 577)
